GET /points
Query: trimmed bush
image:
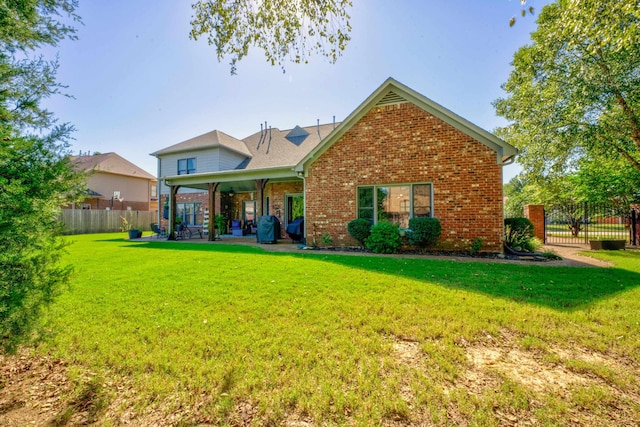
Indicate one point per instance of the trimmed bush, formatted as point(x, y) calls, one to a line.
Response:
point(384, 239)
point(424, 232)
point(359, 229)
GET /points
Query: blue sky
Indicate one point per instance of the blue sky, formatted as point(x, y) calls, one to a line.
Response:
point(140, 84)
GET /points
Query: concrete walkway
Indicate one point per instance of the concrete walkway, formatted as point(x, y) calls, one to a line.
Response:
point(569, 253)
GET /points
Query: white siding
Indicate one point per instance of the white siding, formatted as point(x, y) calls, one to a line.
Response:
point(209, 160)
point(230, 160)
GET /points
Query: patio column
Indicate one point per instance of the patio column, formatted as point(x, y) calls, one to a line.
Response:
point(260, 186)
point(173, 193)
point(213, 186)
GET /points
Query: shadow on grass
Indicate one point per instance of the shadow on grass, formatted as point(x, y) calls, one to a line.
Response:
point(561, 288)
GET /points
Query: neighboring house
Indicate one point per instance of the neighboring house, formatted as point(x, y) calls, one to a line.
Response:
point(398, 155)
point(115, 183)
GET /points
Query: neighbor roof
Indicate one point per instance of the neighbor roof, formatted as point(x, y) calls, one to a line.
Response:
point(109, 163)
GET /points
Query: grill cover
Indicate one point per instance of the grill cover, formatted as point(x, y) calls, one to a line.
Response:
point(268, 229)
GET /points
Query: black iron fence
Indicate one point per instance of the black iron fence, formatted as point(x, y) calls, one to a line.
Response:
point(588, 221)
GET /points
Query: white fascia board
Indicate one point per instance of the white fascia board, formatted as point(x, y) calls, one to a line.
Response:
point(231, 176)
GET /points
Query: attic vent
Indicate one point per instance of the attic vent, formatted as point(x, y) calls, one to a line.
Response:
point(297, 135)
point(390, 98)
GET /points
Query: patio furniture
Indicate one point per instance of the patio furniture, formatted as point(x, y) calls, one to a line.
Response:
point(295, 229)
point(250, 227)
point(182, 232)
point(236, 228)
point(159, 231)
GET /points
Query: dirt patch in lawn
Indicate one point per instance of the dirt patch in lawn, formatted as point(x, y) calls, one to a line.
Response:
point(603, 390)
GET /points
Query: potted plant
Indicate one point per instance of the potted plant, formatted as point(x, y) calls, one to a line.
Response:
point(220, 223)
point(128, 226)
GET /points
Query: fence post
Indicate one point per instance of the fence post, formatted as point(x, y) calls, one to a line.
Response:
point(634, 227)
point(586, 222)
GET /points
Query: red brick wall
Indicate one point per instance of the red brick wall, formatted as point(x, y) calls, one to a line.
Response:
point(400, 144)
point(535, 214)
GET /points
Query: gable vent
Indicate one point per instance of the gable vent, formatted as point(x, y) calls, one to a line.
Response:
point(391, 98)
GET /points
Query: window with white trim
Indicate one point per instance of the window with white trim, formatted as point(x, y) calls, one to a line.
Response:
point(395, 203)
point(187, 166)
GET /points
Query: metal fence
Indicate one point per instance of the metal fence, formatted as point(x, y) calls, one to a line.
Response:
point(87, 221)
point(587, 221)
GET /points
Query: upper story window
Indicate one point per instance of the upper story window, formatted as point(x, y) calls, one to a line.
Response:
point(395, 203)
point(187, 166)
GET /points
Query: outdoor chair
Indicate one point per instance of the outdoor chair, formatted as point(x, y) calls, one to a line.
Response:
point(158, 230)
point(236, 228)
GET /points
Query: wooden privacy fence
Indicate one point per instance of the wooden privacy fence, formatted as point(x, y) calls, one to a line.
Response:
point(87, 221)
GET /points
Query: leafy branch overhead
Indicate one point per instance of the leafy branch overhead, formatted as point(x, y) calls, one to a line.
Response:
point(523, 12)
point(285, 30)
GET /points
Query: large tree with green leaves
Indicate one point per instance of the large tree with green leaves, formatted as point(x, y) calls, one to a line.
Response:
point(36, 177)
point(284, 30)
point(575, 90)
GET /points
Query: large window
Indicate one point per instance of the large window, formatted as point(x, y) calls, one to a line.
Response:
point(190, 212)
point(187, 166)
point(395, 203)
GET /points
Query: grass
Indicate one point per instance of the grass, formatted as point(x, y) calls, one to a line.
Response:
point(232, 335)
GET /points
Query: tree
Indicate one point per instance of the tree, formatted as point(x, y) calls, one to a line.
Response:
point(284, 30)
point(575, 90)
point(36, 177)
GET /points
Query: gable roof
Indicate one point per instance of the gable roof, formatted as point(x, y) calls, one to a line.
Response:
point(394, 92)
point(213, 139)
point(109, 163)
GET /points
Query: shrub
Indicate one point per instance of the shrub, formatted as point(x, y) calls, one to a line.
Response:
point(476, 246)
point(384, 238)
point(424, 232)
point(518, 234)
point(327, 239)
point(359, 229)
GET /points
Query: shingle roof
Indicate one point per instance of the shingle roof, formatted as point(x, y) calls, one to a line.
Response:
point(211, 139)
point(271, 148)
point(109, 163)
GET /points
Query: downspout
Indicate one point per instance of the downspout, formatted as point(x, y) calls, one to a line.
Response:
point(302, 176)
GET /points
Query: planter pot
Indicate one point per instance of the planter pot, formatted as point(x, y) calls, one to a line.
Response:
point(607, 245)
point(135, 234)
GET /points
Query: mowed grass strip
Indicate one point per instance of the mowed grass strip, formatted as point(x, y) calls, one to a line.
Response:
point(206, 333)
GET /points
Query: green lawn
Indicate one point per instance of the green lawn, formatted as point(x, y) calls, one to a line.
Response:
point(228, 335)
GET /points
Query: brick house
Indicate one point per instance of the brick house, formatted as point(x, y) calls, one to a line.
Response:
point(398, 155)
point(115, 183)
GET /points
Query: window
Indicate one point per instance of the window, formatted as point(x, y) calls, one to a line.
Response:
point(154, 190)
point(189, 212)
point(395, 203)
point(187, 166)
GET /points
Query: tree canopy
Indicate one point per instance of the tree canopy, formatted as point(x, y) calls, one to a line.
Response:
point(574, 92)
point(36, 177)
point(285, 30)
